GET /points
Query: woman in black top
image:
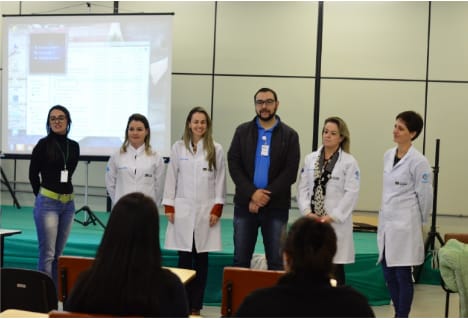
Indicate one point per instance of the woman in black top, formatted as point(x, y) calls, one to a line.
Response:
point(305, 289)
point(126, 278)
point(53, 162)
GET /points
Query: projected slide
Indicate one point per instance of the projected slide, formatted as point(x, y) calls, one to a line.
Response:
point(102, 68)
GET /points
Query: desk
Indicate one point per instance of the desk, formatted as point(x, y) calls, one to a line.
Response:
point(365, 223)
point(185, 275)
point(3, 234)
point(15, 313)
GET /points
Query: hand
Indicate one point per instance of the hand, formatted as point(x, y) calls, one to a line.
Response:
point(170, 217)
point(253, 208)
point(213, 220)
point(313, 216)
point(169, 211)
point(326, 219)
point(217, 210)
point(261, 197)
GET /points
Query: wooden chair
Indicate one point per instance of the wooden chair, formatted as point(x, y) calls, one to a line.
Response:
point(70, 314)
point(239, 282)
point(69, 268)
point(462, 237)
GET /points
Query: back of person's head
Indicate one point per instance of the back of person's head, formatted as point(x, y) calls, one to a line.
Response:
point(309, 247)
point(132, 232)
point(413, 122)
point(127, 269)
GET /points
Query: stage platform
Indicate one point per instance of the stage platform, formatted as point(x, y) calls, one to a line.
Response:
point(21, 251)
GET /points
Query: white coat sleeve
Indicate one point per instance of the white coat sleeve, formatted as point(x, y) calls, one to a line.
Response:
point(304, 190)
point(348, 201)
point(111, 176)
point(220, 187)
point(424, 191)
point(159, 179)
point(170, 184)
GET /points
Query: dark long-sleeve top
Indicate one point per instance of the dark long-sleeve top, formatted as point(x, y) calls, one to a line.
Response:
point(47, 163)
point(164, 298)
point(284, 163)
point(305, 296)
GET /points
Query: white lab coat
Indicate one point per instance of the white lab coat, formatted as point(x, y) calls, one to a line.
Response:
point(193, 190)
point(135, 171)
point(406, 204)
point(342, 192)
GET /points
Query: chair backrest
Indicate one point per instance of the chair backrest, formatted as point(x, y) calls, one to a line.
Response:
point(239, 282)
point(71, 314)
point(69, 268)
point(27, 289)
point(462, 237)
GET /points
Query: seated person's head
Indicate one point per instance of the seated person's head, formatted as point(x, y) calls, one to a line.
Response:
point(309, 247)
point(132, 232)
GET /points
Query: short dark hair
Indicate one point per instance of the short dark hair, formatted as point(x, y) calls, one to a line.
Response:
point(266, 90)
point(413, 122)
point(310, 246)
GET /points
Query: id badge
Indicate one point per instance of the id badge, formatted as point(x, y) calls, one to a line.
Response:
point(265, 149)
point(64, 176)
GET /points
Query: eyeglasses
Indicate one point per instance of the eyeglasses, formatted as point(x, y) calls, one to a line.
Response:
point(60, 118)
point(268, 102)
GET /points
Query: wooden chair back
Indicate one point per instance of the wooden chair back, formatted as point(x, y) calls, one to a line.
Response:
point(463, 237)
point(69, 268)
point(71, 314)
point(239, 282)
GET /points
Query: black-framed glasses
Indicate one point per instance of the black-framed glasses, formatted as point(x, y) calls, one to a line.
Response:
point(268, 102)
point(60, 118)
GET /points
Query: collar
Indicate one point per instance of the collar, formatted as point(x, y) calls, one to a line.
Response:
point(134, 150)
point(257, 122)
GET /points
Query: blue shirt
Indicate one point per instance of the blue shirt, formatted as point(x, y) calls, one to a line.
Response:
point(262, 155)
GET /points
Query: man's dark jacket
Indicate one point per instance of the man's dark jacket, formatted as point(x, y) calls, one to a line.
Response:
point(284, 163)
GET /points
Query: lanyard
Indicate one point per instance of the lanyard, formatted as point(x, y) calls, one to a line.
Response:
point(65, 158)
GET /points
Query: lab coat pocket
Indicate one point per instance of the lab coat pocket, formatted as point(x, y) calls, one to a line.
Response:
point(206, 185)
point(179, 235)
point(183, 207)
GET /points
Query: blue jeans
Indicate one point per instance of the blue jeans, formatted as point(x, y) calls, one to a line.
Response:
point(53, 221)
point(399, 281)
point(272, 223)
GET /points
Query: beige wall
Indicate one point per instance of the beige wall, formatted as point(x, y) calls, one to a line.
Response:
point(373, 66)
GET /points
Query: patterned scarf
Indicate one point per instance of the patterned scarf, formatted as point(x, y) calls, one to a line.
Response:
point(322, 173)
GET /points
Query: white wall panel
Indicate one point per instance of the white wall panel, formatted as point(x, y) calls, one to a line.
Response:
point(449, 41)
point(447, 115)
point(266, 38)
point(375, 39)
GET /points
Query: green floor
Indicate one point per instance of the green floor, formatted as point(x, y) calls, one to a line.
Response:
point(21, 251)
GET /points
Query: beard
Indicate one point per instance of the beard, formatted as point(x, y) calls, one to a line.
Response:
point(266, 116)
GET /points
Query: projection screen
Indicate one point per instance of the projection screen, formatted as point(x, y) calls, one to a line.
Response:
point(102, 68)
